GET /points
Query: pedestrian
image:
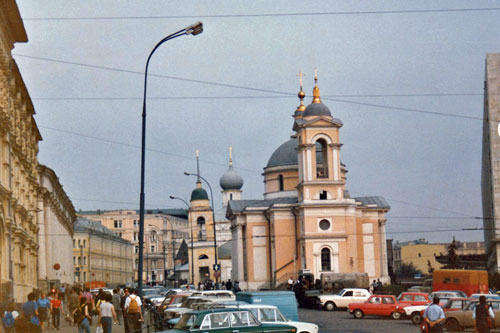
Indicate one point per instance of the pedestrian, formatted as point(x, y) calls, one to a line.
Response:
point(56, 309)
point(116, 298)
point(290, 283)
point(90, 299)
point(30, 309)
point(23, 324)
point(483, 316)
point(82, 316)
point(374, 286)
point(8, 319)
point(229, 285)
point(236, 286)
point(379, 285)
point(72, 300)
point(43, 309)
point(134, 313)
point(106, 313)
point(434, 316)
point(126, 294)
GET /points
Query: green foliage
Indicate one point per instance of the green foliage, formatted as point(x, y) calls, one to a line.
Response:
point(393, 289)
point(407, 270)
point(453, 261)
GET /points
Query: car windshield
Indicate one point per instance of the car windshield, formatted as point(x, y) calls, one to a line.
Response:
point(341, 292)
point(185, 322)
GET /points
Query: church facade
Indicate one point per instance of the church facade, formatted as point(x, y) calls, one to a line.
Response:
point(307, 221)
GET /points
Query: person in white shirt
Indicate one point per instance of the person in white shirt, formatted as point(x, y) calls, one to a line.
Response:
point(134, 313)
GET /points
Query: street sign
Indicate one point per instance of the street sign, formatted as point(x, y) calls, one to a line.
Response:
point(216, 267)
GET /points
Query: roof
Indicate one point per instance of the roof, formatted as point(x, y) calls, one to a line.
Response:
point(224, 251)
point(84, 225)
point(199, 194)
point(317, 109)
point(373, 202)
point(240, 205)
point(231, 180)
point(286, 154)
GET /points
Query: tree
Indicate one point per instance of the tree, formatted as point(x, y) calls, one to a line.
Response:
point(452, 259)
point(407, 270)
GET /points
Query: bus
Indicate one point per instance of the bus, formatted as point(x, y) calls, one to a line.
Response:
point(468, 281)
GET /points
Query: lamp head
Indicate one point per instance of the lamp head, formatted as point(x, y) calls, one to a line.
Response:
point(172, 197)
point(194, 29)
point(187, 173)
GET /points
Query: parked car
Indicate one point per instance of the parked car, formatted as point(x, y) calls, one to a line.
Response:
point(271, 314)
point(462, 319)
point(378, 305)
point(447, 294)
point(416, 313)
point(488, 296)
point(284, 300)
point(226, 321)
point(214, 294)
point(343, 298)
point(172, 301)
point(413, 298)
point(190, 303)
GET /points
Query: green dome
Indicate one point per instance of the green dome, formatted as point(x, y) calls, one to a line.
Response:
point(199, 194)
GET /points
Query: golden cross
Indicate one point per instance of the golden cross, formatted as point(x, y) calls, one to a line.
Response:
point(315, 74)
point(230, 155)
point(197, 153)
point(300, 75)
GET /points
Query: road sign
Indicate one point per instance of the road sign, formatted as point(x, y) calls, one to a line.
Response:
point(216, 267)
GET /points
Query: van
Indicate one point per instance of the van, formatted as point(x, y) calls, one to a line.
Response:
point(284, 300)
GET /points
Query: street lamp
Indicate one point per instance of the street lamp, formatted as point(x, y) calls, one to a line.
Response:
point(193, 29)
point(213, 218)
point(192, 243)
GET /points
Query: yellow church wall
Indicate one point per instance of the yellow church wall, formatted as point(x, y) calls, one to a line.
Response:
point(284, 226)
point(290, 181)
point(256, 240)
point(207, 250)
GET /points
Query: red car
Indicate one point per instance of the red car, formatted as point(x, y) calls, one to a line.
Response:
point(378, 305)
point(413, 298)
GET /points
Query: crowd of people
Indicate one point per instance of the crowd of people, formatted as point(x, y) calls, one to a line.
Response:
point(78, 307)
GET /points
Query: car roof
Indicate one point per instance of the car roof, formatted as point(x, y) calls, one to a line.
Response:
point(202, 312)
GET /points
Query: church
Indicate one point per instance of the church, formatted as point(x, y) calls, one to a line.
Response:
point(307, 221)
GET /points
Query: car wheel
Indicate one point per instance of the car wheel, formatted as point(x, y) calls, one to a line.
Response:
point(452, 325)
point(396, 315)
point(358, 314)
point(416, 318)
point(330, 306)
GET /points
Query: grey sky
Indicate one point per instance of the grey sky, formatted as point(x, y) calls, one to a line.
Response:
point(426, 160)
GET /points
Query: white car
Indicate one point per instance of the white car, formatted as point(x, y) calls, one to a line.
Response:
point(414, 312)
point(271, 314)
point(345, 297)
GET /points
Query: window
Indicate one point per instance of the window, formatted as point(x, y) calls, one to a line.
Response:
point(135, 236)
point(85, 260)
point(202, 233)
point(267, 315)
point(84, 243)
point(387, 300)
point(74, 243)
point(326, 259)
point(153, 248)
point(116, 223)
point(420, 298)
point(216, 320)
point(136, 223)
point(202, 257)
point(84, 276)
point(242, 319)
point(136, 249)
point(348, 294)
point(375, 300)
point(79, 243)
point(74, 260)
point(153, 236)
point(281, 183)
point(79, 260)
point(324, 225)
point(321, 159)
point(154, 263)
point(406, 298)
point(323, 195)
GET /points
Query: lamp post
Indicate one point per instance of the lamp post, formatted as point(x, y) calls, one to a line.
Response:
point(194, 29)
point(192, 241)
point(213, 218)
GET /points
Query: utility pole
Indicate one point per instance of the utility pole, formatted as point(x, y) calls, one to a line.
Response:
point(81, 263)
point(173, 252)
point(164, 266)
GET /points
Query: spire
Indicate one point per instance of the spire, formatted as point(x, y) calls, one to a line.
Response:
point(230, 155)
point(301, 94)
point(198, 181)
point(316, 96)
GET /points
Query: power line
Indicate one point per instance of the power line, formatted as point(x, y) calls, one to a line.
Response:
point(373, 12)
point(124, 98)
point(250, 88)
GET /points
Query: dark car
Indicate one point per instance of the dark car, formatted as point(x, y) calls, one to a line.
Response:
point(226, 321)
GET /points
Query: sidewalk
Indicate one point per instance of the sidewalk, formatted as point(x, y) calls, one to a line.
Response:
point(66, 328)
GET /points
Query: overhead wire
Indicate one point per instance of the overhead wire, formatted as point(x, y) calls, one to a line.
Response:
point(292, 14)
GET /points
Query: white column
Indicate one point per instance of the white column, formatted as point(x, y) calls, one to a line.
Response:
point(42, 237)
point(336, 164)
point(309, 165)
point(383, 250)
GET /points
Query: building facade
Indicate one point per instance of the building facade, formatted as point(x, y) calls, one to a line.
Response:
point(100, 255)
point(307, 219)
point(490, 175)
point(163, 235)
point(19, 137)
point(56, 218)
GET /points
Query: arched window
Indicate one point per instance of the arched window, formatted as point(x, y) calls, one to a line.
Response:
point(321, 159)
point(326, 264)
point(202, 232)
point(281, 183)
point(202, 257)
point(153, 236)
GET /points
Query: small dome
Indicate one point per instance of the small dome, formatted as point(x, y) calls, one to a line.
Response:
point(199, 194)
point(286, 154)
point(231, 180)
point(317, 109)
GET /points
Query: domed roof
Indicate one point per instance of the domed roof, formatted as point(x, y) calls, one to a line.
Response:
point(286, 154)
point(231, 180)
point(199, 194)
point(317, 109)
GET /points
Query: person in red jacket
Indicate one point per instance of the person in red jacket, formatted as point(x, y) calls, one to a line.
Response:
point(56, 309)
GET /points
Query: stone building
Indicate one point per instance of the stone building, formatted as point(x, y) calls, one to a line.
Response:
point(100, 255)
point(490, 175)
point(163, 235)
point(307, 219)
point(56, 218)
point(19, 137)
